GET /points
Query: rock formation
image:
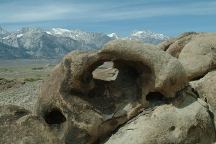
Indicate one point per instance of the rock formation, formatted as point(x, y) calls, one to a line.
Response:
point(19, 126)
point(185, 122)
point(127, 92)
point(206, 88)
point(96, 107)
point(195, 51)
point(175, 45)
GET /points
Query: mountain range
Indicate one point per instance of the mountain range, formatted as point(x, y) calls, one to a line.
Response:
point(56, 42)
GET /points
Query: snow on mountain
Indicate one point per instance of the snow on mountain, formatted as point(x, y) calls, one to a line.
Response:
point(48, 32)
point(113, 35)
point(7, 37)
point(145, 36)
point(19, 35)
point(60, 31)
point(56, 42)
point(89, 38)
point(53, 43)
point(148, 37)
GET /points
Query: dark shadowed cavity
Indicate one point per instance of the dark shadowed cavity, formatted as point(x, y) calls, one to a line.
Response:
point(54, 116)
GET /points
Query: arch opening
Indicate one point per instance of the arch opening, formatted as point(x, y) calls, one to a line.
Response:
point(54, 116)
point(116, 85)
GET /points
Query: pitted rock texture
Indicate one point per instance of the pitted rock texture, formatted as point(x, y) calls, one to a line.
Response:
point(184, 122)
point(19, 126)
point(89, 109)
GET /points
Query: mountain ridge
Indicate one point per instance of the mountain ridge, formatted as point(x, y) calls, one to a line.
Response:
point(56, 42)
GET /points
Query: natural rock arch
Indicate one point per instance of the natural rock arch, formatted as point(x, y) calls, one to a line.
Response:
point(73, 90)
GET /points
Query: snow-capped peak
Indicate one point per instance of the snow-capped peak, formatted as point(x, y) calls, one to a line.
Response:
point(48, 32)
point(149, 34)
point(19, 35)
point(7, 37)
point(113, 35)
point(138, 33)
point(60, 31)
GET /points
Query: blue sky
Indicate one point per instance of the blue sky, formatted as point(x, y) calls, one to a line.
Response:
point(170, 17)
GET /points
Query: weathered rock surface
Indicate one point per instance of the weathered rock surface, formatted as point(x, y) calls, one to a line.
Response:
point(199, 56)
point(19, 126)
point(185, 122)
point(175, 45)
point(160, 72)
point(88, 109)
point(196, 52)
point(105, 72)
point(128, 92)
point(206, 88)
point(176, 48)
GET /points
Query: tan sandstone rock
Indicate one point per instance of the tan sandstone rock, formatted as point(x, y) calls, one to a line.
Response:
point(18, 126)
point(186, 122)
point(81, 109)
point(206, 88)
point(196, 52)
point(198, 57)
point(174, 45)
point(126, 93)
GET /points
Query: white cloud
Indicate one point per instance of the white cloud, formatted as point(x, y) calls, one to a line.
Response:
point(34, 13)
point(16, 12)
point(201, 8)
point(37, 15)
